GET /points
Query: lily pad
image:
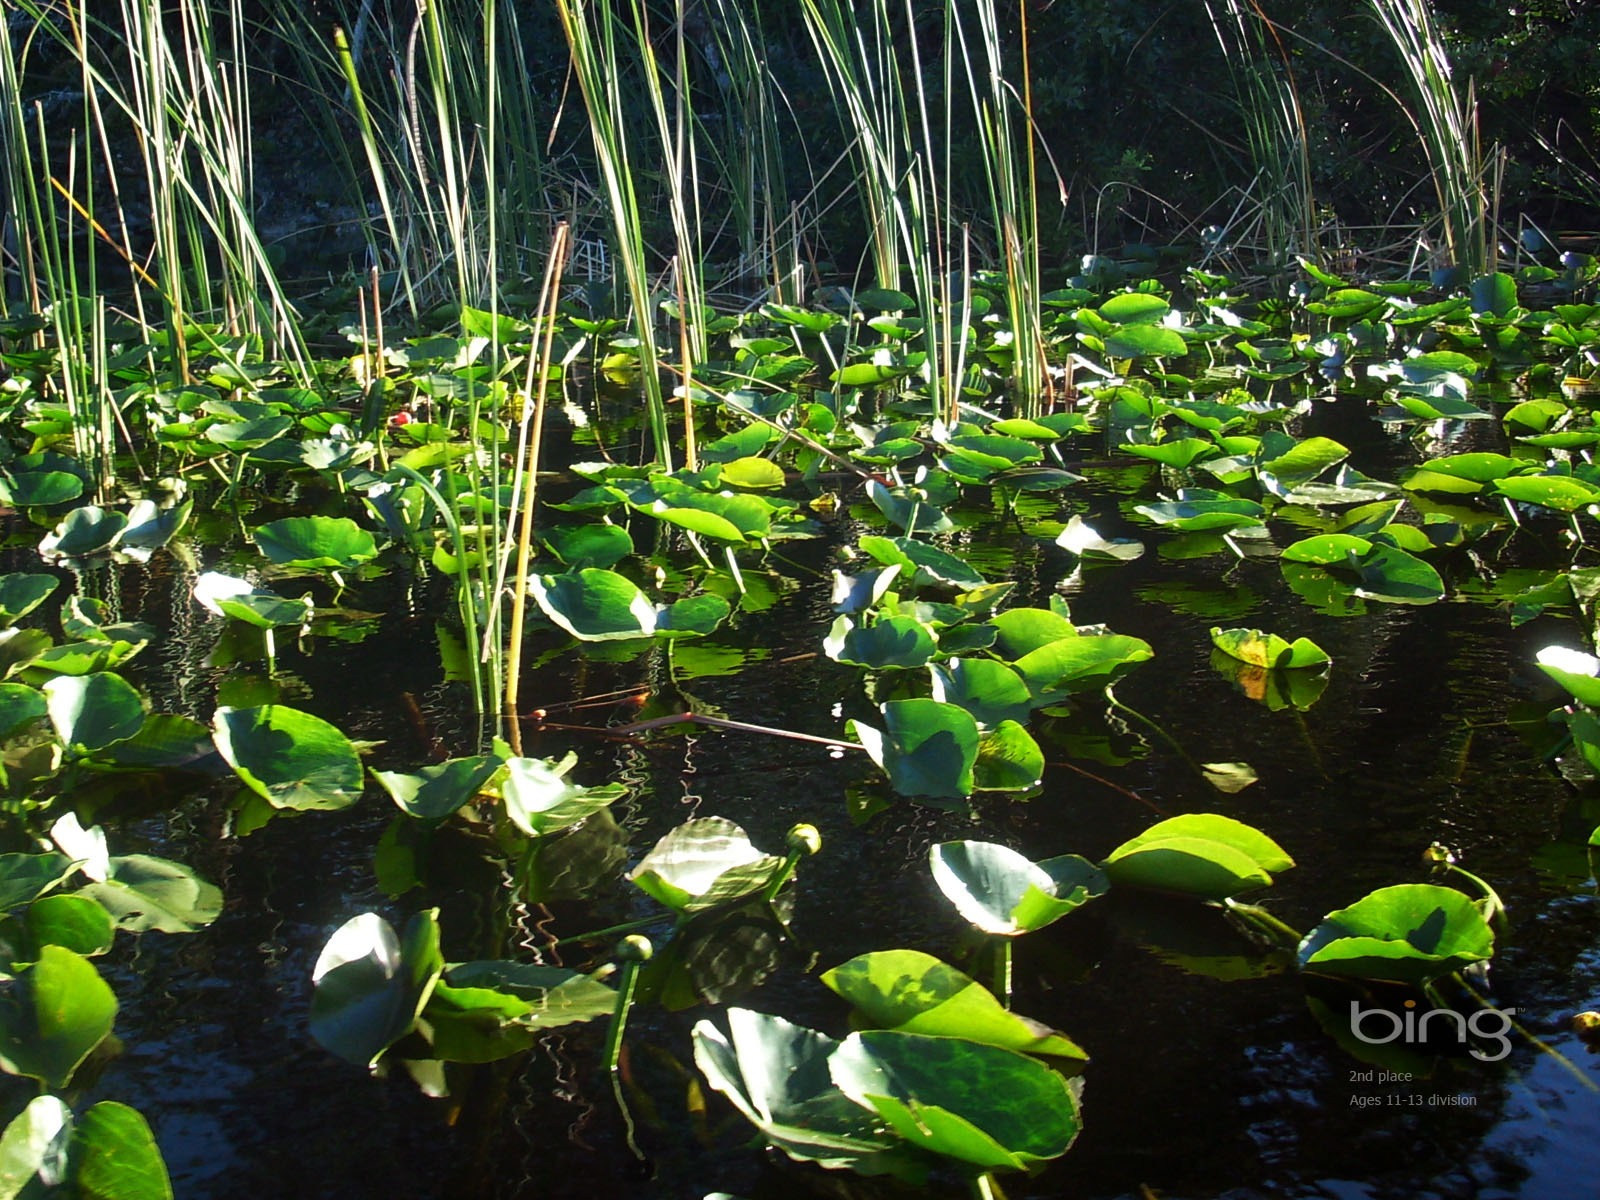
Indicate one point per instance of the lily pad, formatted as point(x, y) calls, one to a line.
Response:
point(541, 800)
point(1410, 933)
point(291, 759)
point(1198, 854)
point(1003, 892)
point(439, 789)
point(1268, 649)
point(317, 543)
point(1079, 539)
point(21, 593)
point(925, 747)
point(369, 985)
point(887, 642)
point(595, 605)
point(702, 864)
point(986, 1107)
point(913, 992)
point(53, 1016)
point(241, 600)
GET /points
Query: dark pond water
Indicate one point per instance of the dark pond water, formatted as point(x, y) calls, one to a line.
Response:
point(1199, 1086)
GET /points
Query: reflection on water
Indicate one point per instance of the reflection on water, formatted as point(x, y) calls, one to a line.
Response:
point(1211, 1076)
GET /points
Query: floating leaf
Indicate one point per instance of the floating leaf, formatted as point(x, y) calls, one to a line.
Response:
point(913, 992)
point(1002, 892)
point(1410, 933)
point(1198, 854)
point(702, 864)
point(1573, 670)
point(1268, 649)
point(1008, 760)
point(925, 747)
point(991, 691)
point(598, 545)
point(921, 563)
point(439, 789)
point(776, 1074)
point(261, 607)
point(318, 543)
point(290, 758)
point(143, 892)
point(53, 1016)
point(887, 642)
point(369, 985)
point(20, 594)
point(540, 799)
point(1055, 671)
point(984, 1106)
point(90, 712)
point(84, 531)
point(1079, 539)
point(595, 605)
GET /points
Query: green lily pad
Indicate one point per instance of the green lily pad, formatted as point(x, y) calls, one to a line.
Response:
point(913, 992)
point(317, 543)
point(53, 1016)
point(540, 799)
point(1145, 341)
point(1268, 649)
point(1198, 510)
point(921, 563)
point(776, 1074)
point(887, 642)
point(984, 1106)
point(1002, 892)
point(1009, 760)
point(1574, 670)
point(595, 605)
point(702, 864)
point(84, 531)
point(991, 691)
point(598, 545)
point(1079, 539)
point(439, 789)
point(90, 712)
point(291, 759)
point(369, 985)
point(21, 593)
point(1198, 854)
point(925, 747)
point(143, 892)
point(1055, 671)
point(260, 607)
point(1410, 933)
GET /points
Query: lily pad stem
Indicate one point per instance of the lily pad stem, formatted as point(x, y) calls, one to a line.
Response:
point(1254, 914)
point(625, 927)
point(986, 1187)
point(1160, 732)
point(1002, 970)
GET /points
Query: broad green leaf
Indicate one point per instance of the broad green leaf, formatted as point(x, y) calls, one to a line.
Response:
point(1410, 933)
point(540, 799)
point(53, 1016)
point(1145, 341)
point(776, 1074)
point(1079, 539)
point(23, 877)
point(369, 985)
point(1009, 760)
point(1559, 492)
point(84, 531)
point(925, 747)
point(76, 923)
point(1494, 294)
point(290, 758)
point(702, 864)
point(1026, 629)
point(1326, 549)
point(261, 607)
point(115, 1156)
point(756, 473)
point(1199, 854)
point(1268, 649)
point(555, 996)
point(921, 563)
point(983, 1106)
point(1305, 460)
point(991, 691)
point(34, 1143)
point(598, 545)
point(93, 711)
point(439, 789)
point(1198, 510)
point(319, 543)
point(1054, 671)
point(1002, 892)
point(1179, 453)
point(1134, 308)
point(913, 992)
point(19, 705)
point(887, 642)
point(143, 892)
point(595, 605)
point(21, 593)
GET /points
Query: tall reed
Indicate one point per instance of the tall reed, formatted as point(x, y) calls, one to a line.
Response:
point(591, 34)
point(1274, 127)
point(1446, 121)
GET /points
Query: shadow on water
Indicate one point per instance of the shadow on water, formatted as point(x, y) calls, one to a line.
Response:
point(1200, 1085)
